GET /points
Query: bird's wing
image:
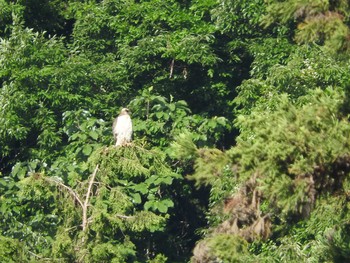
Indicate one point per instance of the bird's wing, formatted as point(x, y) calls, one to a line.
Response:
point(114, 130)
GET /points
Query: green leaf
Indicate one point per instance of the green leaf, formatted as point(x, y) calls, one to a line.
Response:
point(136, 198)
point(16, 168)
point(159, 114)
point(87, 149)
point(33, 165)
point(163, 180)
point(161, 206)
point(93, 135)
point(142, 188)
point(151, 179)
point(148, 205)
point(168, 202)
point(19, 171)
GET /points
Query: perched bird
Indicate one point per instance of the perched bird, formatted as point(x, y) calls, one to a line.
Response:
point(122, 128)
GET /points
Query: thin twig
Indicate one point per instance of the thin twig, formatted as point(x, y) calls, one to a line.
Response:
point(70, 228)
point(147, 110)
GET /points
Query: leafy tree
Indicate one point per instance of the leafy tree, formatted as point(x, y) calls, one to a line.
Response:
point(65, 213)
point(28, 61)
point(285, 164)
point(160, 119)
point(295, 73)
point(322, 22)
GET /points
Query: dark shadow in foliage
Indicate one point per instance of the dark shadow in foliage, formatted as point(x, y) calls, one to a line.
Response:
point(48, 15)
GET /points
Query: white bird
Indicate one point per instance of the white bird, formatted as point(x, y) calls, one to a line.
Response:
point(122, 128)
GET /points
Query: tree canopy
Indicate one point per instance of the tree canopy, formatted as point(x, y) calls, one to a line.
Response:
point(241, 144)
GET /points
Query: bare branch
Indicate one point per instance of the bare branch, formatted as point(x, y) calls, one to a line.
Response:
point(70, 190)
point(171, 69)
point(86, 202)
point(123, 216)
point(40, 257)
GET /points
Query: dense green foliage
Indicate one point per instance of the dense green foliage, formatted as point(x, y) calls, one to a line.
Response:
point(241, 144)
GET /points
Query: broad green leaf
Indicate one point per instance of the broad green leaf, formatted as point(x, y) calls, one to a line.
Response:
point(149, 205)
point(163, 180)
point(142, 188)
point(168, 202)
point(161, 207)
point(136, 198)
point(93, 135)
point(87, 149)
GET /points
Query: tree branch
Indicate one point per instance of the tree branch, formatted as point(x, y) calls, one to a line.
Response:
point(123, 216)
point(70, 190)
point(86, 202)
point(171, 69)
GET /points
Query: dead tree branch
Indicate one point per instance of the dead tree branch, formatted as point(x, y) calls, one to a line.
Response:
point(70, 190)
point(86, 202)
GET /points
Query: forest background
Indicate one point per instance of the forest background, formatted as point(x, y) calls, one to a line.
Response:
point(241, 149)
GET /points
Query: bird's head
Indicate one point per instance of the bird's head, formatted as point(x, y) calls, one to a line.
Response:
point(124, 111)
